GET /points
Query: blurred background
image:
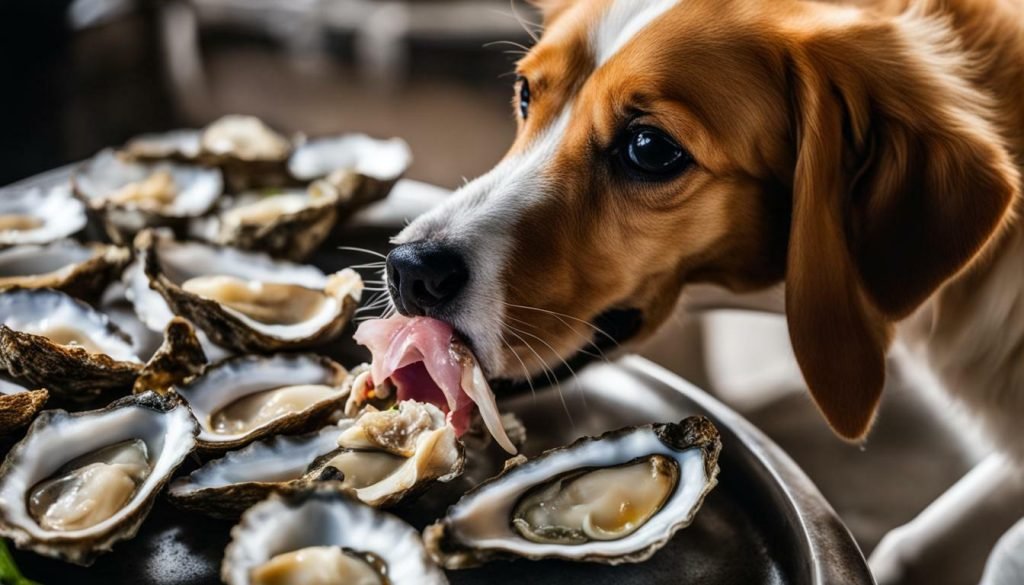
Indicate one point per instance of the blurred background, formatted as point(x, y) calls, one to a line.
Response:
point(80, 75)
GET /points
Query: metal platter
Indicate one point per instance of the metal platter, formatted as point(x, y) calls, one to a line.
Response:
point(764, 523)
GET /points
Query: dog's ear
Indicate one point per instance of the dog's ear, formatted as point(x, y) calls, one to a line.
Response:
point(900, 181)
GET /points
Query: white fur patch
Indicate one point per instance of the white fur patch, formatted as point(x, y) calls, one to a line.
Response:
point(623, 21)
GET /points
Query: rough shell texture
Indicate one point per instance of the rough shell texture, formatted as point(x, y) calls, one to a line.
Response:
point(225, 327)
point(80, 270)
point(235, 378)
point(17, 409)
point(57, 437)
point(179, 358)
point(226, 487)
point(694, 433)
point(71, 371)
point(323, 518)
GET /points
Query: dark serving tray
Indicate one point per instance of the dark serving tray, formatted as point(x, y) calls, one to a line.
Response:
point(764, 523)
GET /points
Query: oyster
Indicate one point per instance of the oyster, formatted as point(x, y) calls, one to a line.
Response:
point(78, 483)
point(129, 196)
point(362, 168)
point(226, 487)
point(243, 399)
point(249, 152)
point(18, 405)
point(617, 498)
point(178, 145)
point(39, 215)
point(244, 301)
point(51, 340)
point(178, 359)
point(290, 223)
point(81, 270)
point(287, 539)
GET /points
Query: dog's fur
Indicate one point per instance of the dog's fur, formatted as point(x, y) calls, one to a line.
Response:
point(867, 154)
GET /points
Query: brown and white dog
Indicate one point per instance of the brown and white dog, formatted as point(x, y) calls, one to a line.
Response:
point(866, 154)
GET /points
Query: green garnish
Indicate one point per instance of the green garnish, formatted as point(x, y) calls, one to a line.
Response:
point(9, 573)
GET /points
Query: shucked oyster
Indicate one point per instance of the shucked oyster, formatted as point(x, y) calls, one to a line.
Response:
point(51, 340)
point(130, 196)
point(18, 405)
point(245, 301)
point(78, 483)
point(323, 537)
point(243, 399)
point(381, 458)
point(39, 215)
point(81, 270)
point(363, 169)
point(250, 153)
point(617, 498)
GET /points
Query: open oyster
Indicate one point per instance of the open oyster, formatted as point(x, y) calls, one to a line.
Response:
point(39, 215)
point(251, 154)
point(617, 498)
point(243, 399)
point(289, 539)
point(81, 270)
point(366, 168)
point(51, 340)
point(226, 487)
point(78, 483)
point(244, 301)
point(177, 145)
point(18, 405)
point(130, 196)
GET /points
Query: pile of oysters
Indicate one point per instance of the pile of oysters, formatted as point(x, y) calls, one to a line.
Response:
point(155, 314)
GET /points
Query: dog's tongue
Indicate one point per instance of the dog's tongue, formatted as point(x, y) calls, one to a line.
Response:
point(426, 363)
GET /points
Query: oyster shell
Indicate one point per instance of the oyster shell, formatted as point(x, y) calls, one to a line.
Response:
point(226, 487)
point(80, 270)
point(18, 405)
point(280, 538)
point(178, 359)
point(78, 483)
point(250, 153)
point(178, 145)
point(39, 215)
point(245, 398)
point(362, 167)
point(51, 340)
point(613, 499)
point(130, 196)
point(244, 301)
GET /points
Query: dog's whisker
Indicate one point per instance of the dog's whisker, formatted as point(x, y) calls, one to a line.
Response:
point(526, 371)
point(364, 251)
point(550, 375)
point(583, 336)
point(579, 386)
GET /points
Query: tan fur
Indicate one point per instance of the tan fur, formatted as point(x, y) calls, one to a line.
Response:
point(867, 153)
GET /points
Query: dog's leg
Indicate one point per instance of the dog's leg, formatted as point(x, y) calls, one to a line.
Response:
point(949, 541)
point(1006, 564)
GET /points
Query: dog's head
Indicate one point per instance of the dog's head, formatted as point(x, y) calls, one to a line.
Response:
point(732, 142)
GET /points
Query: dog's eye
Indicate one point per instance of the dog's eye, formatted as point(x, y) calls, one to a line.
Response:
point(654, 154)
point(524, 97)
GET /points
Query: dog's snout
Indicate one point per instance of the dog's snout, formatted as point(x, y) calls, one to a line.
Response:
point(423, 277)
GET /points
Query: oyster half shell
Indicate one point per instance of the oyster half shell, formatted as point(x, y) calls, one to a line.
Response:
point(18, 405)
point(78, 483)
point(363, 169)
point(39, 215)
point(613, 499)
point(80, 270)
point(243, 399)
point(244, 301)
point(284, 536)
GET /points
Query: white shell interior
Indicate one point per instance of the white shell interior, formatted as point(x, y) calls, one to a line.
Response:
point(278, 459)
point(229, 381)
point(482, 518)
point(168, 437)
point(32, 260)
point(8, 386)
point(273, 527)
point(183, 142)
point(381, 159)
point(62, 215)
point(34, 310)
point(197, 187)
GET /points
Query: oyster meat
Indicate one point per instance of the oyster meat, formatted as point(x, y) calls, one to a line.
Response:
point(323, 537)
point(363, 169)
point(53, 341)
point(81, 270)
point(613, 499)
point(243, 301)
point(78, 483)
point(250, 153)
point(18, 405)
point(130, 196)
point(242, 399)
point(39, 215)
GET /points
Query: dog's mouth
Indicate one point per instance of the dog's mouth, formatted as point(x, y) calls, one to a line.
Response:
point(612, 329)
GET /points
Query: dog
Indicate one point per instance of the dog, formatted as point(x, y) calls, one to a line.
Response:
point(866, 156)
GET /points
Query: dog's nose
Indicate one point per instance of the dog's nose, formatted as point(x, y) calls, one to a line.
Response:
point(423, 277)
